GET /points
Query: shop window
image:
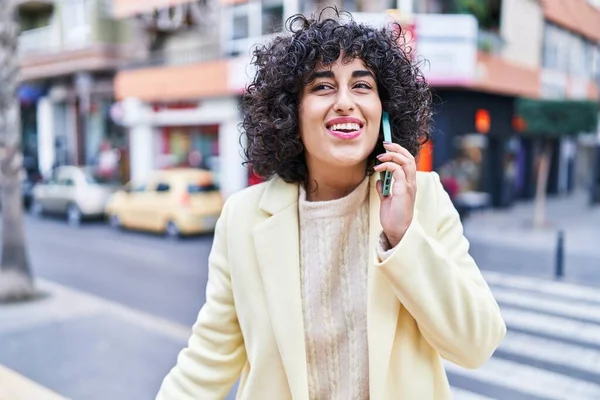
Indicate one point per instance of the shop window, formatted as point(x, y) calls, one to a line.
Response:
point(463, 172)
point(188, 147)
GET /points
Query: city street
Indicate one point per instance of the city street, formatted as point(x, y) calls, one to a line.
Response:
point(142, 271)
point(119, 307)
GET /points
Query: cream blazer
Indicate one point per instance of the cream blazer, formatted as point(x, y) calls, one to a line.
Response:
point(426, 302)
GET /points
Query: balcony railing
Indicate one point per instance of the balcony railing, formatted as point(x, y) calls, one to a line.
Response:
point(44, 39)
point(197, 53)
point(200, 52)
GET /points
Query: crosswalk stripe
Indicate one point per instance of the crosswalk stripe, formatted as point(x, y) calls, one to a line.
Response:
point(556, 326)
point(557, 306)
point(567, 313)
point(529, 380)
point(460, 394)
point(554, 351)
point(563, 289)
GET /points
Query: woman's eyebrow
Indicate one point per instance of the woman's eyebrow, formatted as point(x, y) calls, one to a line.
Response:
point(361, 73)
point(324, 74)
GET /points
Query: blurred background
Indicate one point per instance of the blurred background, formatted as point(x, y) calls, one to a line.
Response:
point(129, 135)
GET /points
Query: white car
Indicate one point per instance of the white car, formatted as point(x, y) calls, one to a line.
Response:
point(73, 191)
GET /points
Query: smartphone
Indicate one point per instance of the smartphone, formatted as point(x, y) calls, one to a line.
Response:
point(386, 176)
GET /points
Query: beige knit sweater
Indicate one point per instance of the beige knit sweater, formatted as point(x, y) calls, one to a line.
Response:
point(334, 239)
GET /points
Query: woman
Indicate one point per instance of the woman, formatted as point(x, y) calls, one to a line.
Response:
point(319, 286)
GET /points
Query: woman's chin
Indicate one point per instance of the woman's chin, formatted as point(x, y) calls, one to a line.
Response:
point(348, 161)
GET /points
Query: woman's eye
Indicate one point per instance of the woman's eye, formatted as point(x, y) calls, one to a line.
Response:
point(321, 86)
point(362, 85)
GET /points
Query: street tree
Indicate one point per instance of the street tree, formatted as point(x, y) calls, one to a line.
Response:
point(547, 121)
point(16, 282)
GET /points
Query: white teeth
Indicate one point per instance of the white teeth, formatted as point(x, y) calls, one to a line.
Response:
point(345, 127)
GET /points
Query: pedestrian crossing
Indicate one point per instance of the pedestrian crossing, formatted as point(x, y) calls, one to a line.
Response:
point(552, 346)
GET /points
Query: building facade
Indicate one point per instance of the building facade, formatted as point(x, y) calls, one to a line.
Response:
point(69, 51)
point(182, 94)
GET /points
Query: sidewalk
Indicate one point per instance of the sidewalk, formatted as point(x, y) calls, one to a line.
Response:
point(16, 387)
point(513, 227)
point(505, 240)
point(79, 346)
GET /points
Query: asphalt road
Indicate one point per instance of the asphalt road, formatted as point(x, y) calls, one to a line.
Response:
point(146, 272)
point(167, 278)
point(552, 325)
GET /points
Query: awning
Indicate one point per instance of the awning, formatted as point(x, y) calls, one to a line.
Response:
point(555, 118)
point(29, 94)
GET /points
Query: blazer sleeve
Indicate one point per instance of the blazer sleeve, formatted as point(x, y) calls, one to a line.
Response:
point(439, 284)
point(209, 366)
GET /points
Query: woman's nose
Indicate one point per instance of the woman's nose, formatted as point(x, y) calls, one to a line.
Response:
point(343, 102)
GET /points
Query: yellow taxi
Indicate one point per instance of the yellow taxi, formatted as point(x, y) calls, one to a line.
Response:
point(176, 202)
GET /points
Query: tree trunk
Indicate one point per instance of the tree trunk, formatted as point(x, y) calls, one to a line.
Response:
point(16, 281)
point(539, 218)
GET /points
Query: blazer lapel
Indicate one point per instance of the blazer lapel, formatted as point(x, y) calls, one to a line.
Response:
point(277, 250)
point(382, 308)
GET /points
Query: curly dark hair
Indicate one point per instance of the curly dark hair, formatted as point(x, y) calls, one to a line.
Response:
point(287, 64)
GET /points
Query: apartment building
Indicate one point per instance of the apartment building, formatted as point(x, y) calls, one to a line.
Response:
point(571, 70)
point(184, 94)
point(69, 51)
point(546, 49)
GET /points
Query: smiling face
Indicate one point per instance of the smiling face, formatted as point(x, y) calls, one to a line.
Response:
point(340, 116)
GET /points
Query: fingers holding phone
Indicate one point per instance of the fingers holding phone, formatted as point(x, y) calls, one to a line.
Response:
point(397, 202)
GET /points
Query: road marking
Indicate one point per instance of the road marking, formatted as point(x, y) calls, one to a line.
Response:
point(14, 386)
point(567, 308)
point(529, 380)
point(460, 394)
point(156, 324)
point(552, 351)
point(556, 326)
point(562, 289)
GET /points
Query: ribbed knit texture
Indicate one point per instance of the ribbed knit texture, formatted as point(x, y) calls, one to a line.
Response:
point(334, 239)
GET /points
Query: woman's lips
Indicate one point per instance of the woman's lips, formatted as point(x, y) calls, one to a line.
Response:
point(345, 135)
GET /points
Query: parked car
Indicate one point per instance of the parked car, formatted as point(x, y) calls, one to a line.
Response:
point(175, 202)
point(73, 191)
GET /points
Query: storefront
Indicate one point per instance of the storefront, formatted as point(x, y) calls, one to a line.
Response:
point(187, 146)
point(476, 148)
point(29, 95)
point(200, 135)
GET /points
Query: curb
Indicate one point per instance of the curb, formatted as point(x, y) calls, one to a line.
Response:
point(14, 386)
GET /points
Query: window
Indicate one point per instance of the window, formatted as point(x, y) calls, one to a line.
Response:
point(241, 30)
point(163, 187)
point(559, 47)
point(66, 182)
point(550, 55)
point(195, 188)
point(244, 24)
point(272, 18)
point(75, 21)
point(597, 63)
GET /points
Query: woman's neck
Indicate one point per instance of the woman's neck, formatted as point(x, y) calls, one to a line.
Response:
point(332, 183)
